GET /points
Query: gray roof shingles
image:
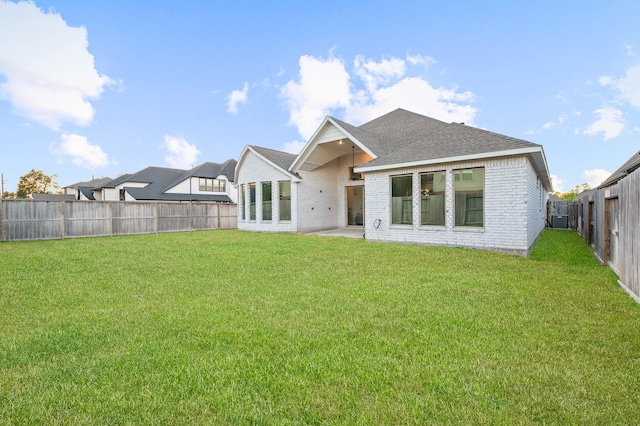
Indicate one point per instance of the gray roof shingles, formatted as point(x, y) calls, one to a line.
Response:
point(161, 179)
point(632, 164)
point(450, 140)
point(279, 158)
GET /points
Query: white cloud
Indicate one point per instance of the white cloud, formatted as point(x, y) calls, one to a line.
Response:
point(605, 80)
point(321, 86)
point(595, 177)
point(79, 151)
point(629, 86)
point(180, 154)
point(375, 73)
point(417, 95)
point(558, 184)
point(420, 60)
point(49, 74)
point(610, 123)
point(325, 85)
point(550, 124)
point(237, 97)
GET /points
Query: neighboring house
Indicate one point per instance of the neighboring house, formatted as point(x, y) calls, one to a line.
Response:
point(206, 182)
point(53, 197)
point(401, 177)
point(84, 190)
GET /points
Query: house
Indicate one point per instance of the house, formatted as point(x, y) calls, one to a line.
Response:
point(402, 177)
point(206, 182)
point(84, 190)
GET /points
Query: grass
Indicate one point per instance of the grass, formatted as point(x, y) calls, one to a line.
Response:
point(230, 327)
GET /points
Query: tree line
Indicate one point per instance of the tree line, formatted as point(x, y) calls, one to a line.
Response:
point(35, 182)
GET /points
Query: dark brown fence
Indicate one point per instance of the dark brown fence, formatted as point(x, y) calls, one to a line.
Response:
point(40, 220)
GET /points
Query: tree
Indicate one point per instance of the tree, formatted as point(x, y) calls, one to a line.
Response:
point(8, 194)
point(37, 182)
point(573, 194)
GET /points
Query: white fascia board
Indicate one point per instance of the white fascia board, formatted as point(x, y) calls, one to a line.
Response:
point(240, 160)
point(354, 140)
point(307, 150)
point(457, 159)
point(311, 144)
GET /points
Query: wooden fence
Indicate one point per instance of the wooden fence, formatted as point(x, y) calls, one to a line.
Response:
point(629, 233)
point(40, 220)
point(609, 221)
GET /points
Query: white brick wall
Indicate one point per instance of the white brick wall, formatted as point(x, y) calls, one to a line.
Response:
point(255, 170)
point(537, 206)
point(323, 197)
point(506, 216)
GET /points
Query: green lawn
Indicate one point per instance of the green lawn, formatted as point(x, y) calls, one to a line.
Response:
point(230, 327)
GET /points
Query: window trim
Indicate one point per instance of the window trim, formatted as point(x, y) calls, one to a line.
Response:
point(280, 200)
point(262, 201)
point(443, 178)
point(403, 213)
point(455, 193)
point(252, 203)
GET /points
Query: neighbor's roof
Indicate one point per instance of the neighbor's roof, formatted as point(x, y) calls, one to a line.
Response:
point(145, 193)
point(53, 197)
point(632, 164)
point(161, 179)
point(93, 183)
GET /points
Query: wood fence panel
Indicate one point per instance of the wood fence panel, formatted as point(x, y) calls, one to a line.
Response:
point(228, 217)
point(629, 232)
point(133, 218)
point(26, 220)
point(87, 219)
point(204, 216)
point(39, 220)
point(174, 217)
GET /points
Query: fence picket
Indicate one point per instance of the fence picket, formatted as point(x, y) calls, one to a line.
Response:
point(37, 220)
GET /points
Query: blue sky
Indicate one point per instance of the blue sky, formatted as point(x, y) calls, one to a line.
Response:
point(92, 89)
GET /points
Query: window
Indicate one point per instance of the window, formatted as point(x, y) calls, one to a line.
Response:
point(212, 185)
point(284, 189)
point(243, 199)
point(401, 200)
point(432, 186)
point(266, 200)
point(469, 197)
point(252, 201)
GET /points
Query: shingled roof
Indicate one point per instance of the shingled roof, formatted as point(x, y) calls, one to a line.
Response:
point(279, 158)
point(161, 179)
point(632, 164)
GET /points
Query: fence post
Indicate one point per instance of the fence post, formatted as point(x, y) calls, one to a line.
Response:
point(64, 219)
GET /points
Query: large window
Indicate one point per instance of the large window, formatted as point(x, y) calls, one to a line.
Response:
point(212, 185)
point(243, 200)
point(252, 201)
point(432, 209)
point(401, 200)
point(284, 190)
point(468, 186)
point(266, 200)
